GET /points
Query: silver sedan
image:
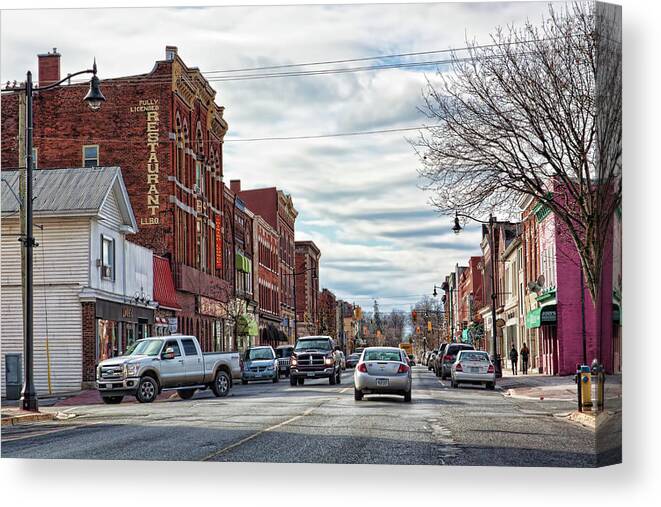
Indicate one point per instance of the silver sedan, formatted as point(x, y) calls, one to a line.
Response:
point(382, 370)
point(473, 367)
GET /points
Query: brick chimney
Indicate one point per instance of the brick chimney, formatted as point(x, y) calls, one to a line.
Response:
point(170, 53)
point(235, 186)
point(49, 68)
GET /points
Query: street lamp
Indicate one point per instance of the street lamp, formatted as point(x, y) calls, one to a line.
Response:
point(495, 357)
point(94, 99)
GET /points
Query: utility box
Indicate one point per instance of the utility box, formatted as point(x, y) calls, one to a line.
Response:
point(13, 376)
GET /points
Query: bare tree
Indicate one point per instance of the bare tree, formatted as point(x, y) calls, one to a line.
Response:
point(537, 112)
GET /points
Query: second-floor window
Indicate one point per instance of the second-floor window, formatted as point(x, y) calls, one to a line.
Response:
point(91, 155)
point(107, 258)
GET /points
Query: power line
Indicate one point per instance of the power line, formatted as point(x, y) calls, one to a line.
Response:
point(168, 79)
point(245, 139)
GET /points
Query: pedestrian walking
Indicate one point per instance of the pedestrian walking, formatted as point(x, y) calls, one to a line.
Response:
point(525, 354)
point(514, 357)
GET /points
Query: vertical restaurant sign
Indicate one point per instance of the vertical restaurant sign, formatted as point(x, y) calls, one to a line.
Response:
point(151, 108)
point(219, 242)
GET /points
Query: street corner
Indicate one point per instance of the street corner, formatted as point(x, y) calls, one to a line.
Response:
point(14, 416)
point(590, 420)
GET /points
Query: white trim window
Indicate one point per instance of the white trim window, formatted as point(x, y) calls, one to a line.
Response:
point(91, 155)
point(107, 258)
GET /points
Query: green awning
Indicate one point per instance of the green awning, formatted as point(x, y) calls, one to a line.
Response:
point(242, 263)
point(542, 315)
point(534, 318)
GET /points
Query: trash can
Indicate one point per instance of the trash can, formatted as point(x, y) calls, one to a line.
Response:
point(13, 376)
point(598, 378)
point(584, 388)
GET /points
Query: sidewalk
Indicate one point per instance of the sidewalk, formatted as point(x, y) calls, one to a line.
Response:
point(13, 415)
point(536, 386)
point(77, 398)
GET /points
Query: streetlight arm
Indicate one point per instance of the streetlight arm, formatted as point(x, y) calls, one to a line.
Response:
point(53, 85)
point(464, 215)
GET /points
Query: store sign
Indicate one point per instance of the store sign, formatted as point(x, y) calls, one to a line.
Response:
point(151, 108)
point(172, 324)
point(206, 306)
point(219, 242)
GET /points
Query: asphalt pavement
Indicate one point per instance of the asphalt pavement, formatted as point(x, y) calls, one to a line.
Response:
point(317, 423)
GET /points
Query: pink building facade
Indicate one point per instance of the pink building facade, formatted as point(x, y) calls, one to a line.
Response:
point(559, 310)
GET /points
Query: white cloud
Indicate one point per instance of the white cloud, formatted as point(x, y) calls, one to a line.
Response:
point(357, 196)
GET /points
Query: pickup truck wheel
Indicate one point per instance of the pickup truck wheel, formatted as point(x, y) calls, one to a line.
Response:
point(221, 384)
point(292, 381)
point(147, 389)
point(185, 394)
point(112, 400)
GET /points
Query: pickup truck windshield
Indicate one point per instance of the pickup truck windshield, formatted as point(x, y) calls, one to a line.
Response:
point(145, 348)
point(303, 345)
point(257, 354)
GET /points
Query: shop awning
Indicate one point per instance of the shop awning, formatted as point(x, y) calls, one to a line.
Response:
point(542, 315)
point(164, 291)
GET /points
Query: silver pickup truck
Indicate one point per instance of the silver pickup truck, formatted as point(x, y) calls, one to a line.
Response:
point(155, 364)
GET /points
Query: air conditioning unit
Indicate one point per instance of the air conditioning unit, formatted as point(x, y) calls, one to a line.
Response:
point(106, 271)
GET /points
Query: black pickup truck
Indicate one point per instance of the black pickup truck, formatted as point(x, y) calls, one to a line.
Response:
point(315, 357)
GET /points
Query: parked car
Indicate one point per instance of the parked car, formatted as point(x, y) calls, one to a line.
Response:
point(412, 359)
point(157, 364)
point(283, 353)
point(425, 357)
point(260, 363)
point(382, 370)
point(436, 366)
point(449, 356)
point(315, 357)
point(352, 360)
point(473, 367)
point(430, 362)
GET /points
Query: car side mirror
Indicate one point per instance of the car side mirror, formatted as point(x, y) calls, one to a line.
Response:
point(168, 353)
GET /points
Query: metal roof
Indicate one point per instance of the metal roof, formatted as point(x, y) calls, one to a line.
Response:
point(80, 190)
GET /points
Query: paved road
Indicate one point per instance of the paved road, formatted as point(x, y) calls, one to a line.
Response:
point(316, 423)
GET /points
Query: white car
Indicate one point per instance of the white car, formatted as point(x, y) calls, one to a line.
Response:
point(473, 367)
point(382, 370)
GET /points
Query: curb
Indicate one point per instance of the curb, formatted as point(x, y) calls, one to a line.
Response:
point(27, 418)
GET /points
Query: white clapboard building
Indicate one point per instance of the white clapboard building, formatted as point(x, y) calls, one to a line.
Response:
point(92, 288)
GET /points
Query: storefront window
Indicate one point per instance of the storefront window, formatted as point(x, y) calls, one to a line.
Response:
point(108, 339)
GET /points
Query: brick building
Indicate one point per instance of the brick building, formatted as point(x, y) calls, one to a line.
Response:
point(470, 300)
point(268, 283)
point(165, 131)
point(307, 288)
point(277, 209)
point(328, 314)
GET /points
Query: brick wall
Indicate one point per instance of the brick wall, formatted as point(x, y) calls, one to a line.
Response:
point(89, 341)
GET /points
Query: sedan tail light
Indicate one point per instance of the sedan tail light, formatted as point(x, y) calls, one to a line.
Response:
point(459, 367)
point(447, 358)
point(362, 367)
point(490, 369)
point(403, 368)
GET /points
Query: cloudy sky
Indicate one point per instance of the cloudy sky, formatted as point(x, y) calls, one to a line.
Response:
point(357, 196)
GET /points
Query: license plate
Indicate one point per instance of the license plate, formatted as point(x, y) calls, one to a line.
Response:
point(382, 382)
point(474, 370)
point(310, 374)
point(102, 386)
